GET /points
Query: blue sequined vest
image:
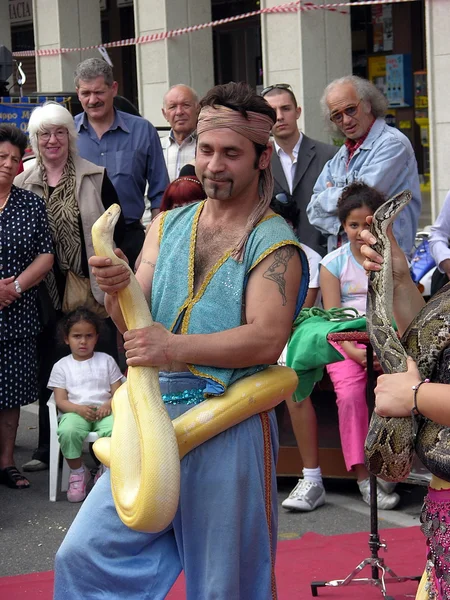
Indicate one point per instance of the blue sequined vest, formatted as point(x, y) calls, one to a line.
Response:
point(217, 305)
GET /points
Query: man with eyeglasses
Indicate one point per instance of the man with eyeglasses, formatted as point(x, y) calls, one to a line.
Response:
point(373, 153)
point(296, 162)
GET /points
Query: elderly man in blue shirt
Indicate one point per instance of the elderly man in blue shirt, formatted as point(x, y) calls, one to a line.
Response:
point(126, 145)
point(373, 152)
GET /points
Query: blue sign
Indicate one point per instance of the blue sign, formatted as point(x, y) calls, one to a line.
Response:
point(17, 111)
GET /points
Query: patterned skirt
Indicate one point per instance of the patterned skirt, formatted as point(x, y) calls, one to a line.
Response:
point(18, 372)
point(435, 524)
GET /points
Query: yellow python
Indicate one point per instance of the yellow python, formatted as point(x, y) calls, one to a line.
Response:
point(146, 447)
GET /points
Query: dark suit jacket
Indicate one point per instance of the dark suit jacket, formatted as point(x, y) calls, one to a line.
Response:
point(312, 157)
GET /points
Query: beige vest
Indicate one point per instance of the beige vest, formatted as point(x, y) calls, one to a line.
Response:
point(89, 179)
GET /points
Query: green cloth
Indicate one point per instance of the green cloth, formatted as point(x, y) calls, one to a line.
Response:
point(308, 348)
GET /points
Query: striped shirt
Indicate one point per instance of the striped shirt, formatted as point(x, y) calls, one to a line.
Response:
point(177, 155)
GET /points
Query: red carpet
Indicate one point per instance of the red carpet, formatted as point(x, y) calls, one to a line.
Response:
point(313, 557)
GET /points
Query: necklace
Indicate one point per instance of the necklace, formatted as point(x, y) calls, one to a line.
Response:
point(2, 207)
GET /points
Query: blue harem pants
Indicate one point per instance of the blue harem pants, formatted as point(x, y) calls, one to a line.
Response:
point(223, 536)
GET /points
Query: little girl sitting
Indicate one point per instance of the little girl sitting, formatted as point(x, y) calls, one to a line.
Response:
point(343, 282)
point(83, 384)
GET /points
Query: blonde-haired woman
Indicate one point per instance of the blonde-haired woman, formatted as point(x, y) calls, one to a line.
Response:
point(76, 192)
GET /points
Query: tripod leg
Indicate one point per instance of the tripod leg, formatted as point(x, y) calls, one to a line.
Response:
point(390, 571)
point(382, 583)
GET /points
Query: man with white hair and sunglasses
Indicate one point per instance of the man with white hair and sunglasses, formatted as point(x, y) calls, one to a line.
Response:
point(373, 153)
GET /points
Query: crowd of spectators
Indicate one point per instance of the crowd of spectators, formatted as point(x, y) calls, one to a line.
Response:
point(326, 194)
point(107, 156)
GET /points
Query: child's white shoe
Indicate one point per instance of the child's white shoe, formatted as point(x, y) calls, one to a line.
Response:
point(77, 485)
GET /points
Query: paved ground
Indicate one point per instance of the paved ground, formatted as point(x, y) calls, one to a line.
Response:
point(32, 528)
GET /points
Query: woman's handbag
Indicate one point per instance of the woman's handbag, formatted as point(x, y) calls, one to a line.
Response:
point(78, 293)
point(422, 260)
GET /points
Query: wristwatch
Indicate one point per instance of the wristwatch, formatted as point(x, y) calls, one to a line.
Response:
point(17, 286)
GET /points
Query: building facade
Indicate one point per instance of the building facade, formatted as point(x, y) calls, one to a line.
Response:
point(402, 47)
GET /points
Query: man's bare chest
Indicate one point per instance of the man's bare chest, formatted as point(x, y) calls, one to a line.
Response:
point(210, 247)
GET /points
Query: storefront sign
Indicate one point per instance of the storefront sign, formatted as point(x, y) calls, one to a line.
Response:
point(15, 114)
point(383, 40)
point(377, 72)
point(421, 102)
point(391, 74)
point(18, 113)
point(395, 80)
point(20, 11)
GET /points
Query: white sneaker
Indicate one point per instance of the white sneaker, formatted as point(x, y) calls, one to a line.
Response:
point(387, 486)
point(306, 496)
point(385, 501)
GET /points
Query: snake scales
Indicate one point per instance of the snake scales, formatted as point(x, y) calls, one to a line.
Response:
point(145, 448)
point(391, 442)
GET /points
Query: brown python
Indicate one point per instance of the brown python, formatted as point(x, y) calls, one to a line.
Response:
point(391, 442)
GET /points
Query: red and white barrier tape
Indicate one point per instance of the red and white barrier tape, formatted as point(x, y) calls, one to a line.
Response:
point(289, 7)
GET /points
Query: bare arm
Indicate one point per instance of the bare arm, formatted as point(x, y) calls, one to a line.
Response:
point(331, 298)
point(31, 276)
point(35, 272)
point(395, 397)
point(105, 409)
point(311, 298)
point(408, 301)
point(331, 289)
point(64, 405)
point(270, 305)
point(115, 387)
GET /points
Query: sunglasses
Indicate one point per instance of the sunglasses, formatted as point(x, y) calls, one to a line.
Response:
point(276, 86)
point(350, 111)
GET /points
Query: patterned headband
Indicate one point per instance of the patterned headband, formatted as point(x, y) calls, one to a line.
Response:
point(256, 127)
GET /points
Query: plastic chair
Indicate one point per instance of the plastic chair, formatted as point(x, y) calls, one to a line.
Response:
point(55, 453)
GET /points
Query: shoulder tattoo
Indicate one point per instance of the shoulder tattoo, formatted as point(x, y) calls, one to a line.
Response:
point(277, 270)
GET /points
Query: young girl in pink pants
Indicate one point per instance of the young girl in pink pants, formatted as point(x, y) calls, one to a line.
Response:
point(343, 283)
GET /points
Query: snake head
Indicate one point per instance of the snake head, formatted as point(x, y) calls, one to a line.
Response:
point(103, 229)
point(110, 216)
point(386, 213)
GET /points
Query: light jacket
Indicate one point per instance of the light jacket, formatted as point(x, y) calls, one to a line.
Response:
point(385, 161)
point(89, 179)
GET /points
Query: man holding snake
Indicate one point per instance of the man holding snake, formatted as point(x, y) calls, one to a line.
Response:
point(225, 278)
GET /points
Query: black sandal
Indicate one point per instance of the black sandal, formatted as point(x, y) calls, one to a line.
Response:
point(11, 477)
